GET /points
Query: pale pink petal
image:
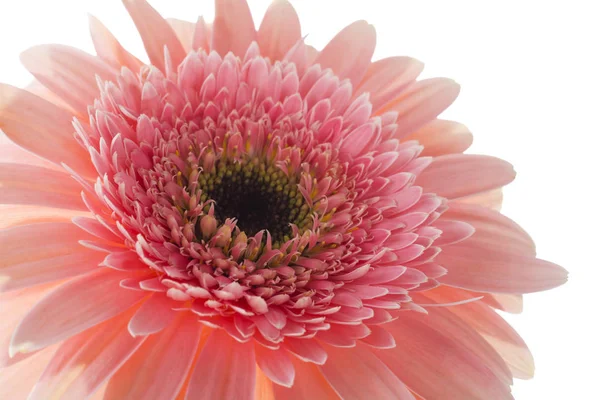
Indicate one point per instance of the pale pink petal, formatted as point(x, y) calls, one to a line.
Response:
point(42, 128)
point(109, 49)
point(68, 72)
point(77, 305)
point(387, 78)
point(154, 315)
point(490, 199)
point(306, 350)
point(12, 153)
point(358, 374)
point(279, 30)
point(225, 369)
point(349, 53)
point(452, 231)
point(17, 380)
point(441, 137)
point(435, 365)
point(158, 369)
point(28, 184)
point(155, 33)
point(184, 31)
point(457, 175)
point(233, 28)
point(202, 36)
point(379, 338)
point(17, 215)
point(308, 384)
point(83, 363)
point(511, 303)
point(276, 365)
point(421, 103)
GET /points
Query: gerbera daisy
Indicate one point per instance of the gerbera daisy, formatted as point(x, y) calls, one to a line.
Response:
point(246, 217)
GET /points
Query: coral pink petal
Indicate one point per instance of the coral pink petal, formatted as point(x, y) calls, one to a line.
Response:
point(159, 367)
point(12, 153)
point(264, 389)
point(202, 35)
point(457, 175)
point(153, 316)
point(57, 255)
point(306, 350)
point(156, 33)
point(233, 28)
point(225, 369)
point(28, 184)
point(42, 128)
point(276, 365)
point(279, 30)
point(387, 78)
point(349, 53)
point(441, 137)
point(184, 31)
point(108, 47)
point(83, 363)
point(435, 365)
point(421, 103)
point(359, 374)
point(17, 380)
point(490, 199)
point(452, 231)
point(379, 338)
point(510, 303)
point(72, 308)
point(55, 66)
point(308, 384)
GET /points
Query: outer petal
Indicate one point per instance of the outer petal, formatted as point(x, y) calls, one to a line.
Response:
point(308, 384)
point(184, 31)
point(441, 137)
point(155, 33)
point(154, 315)
point(276, 365)
point(17, 380)
point(72, 308)
point(279, 30)
point(349, 53)
point(358, 374)
point(109, 49)
point(159, 368)
point(225, 370)
point(233, 28)
point(435, 365)
point(85, 361)
point(42, 128)
point(458, 175)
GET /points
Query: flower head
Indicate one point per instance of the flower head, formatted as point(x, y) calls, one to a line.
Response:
point(246, 217)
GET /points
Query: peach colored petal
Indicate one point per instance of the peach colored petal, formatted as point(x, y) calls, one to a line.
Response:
point(359, 374)
point(276, 365)
point(17, 380)
point(434, 365)
point(441, 137)
point(42, 128)
point(386, 79)
point(72, 308)
point(233, 28)
point(159, 367)
point(202, 35)
point(153, 316)
point(306, 350)
point(349, 53)
point(225, 370)
point(12, 153)
point(83, 363)
point(421, 103)
point(279, 30)
point(511, 303)
point(264, 387)
point(155, 33)
point(309, 383)
point(68, 72)
point(490, 199)
point(184, 31)
point(458, 175)
point(108, 47)
point(27, 184)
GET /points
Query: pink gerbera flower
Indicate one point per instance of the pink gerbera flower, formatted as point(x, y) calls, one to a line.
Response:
point(249, 218)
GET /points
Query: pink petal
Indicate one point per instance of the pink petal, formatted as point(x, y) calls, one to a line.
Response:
point(349, 53)
point(511, 303)
point(225, 369)
point(359, 374)
point(109, 49)
point(85, 361)
point(279, 30)
point(307, 350)
point(42, 128)
point(387, 78)
point(17, 380)
point(77, 305)
point(233, 28)
point(153, 316)
point(441, 137)
point(379, 338)
point(308, 384)
point(276, 365)
point(202, 36)
point(12, 153)
point(17, 215)
point(452, 231)
point(155, 33)
point(159, 367)
point(55, 66)
point(458, 175)
point(184, 31)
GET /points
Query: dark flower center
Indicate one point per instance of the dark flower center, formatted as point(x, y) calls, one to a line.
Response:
point(258, 195)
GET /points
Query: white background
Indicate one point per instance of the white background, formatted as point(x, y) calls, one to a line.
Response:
point(530, 81)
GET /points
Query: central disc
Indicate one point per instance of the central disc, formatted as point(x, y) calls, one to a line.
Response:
point(258, 195)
